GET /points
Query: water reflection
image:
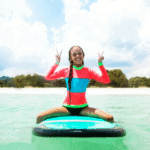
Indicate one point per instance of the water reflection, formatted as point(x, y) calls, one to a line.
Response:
point(68, 143)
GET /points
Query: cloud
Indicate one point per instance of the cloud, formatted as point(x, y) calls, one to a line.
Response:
point(10, 9)
point(120, 28)
point(6, 57)
point(26, 42)
point(141, 69)
point(117, 27)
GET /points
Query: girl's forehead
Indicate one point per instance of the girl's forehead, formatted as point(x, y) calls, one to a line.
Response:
point(76, 49)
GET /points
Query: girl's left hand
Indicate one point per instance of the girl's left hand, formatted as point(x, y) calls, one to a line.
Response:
point(100, 57)
point(58, 56)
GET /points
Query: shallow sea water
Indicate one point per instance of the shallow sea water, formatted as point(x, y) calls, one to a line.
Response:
point(18, 116)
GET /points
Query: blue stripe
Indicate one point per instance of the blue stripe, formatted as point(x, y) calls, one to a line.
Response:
point(77, 85)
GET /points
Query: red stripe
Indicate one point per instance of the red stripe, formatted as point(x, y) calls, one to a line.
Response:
point(76, 98)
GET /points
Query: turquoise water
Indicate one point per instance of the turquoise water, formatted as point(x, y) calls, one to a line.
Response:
point(18, 116)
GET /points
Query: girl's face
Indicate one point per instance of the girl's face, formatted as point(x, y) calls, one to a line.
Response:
point(77, 56)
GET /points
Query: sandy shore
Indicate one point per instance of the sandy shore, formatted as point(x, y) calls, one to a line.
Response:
point(90, 91)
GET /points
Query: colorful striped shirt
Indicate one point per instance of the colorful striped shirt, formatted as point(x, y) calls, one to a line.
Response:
point(81, 78)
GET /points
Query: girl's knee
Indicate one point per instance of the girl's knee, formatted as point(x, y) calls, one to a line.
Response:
point(39, 118)
point(110, 118)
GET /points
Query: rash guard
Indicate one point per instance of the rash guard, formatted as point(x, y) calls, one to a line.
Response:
point(81, 78)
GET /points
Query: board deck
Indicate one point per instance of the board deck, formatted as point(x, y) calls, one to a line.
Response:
point(78, 126)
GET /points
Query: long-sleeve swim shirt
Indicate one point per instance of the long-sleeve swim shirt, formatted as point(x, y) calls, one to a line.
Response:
point(80, 80)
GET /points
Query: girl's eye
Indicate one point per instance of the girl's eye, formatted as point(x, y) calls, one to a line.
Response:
point(74, 54)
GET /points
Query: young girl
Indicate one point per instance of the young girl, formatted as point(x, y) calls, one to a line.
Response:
point(77, 78)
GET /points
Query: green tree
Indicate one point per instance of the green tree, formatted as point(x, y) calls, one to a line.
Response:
point(118, 78)
point(28, 80)
point(148, 82)
point(144, 81)
point(48, 85)
point(37, 81)
point(92, 82)
point(59, 83)
point(1, 83)
point(10, 82)
point(19, 81)
point(138, 81)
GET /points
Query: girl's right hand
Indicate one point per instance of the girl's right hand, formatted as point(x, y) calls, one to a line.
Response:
point(58, 56)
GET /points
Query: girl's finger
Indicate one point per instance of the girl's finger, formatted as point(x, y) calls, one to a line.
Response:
point(57, 52)
point(102, 53)
point(98, 53)
point(61, 52)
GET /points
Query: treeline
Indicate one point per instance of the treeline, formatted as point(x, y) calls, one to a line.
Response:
point(117, 77)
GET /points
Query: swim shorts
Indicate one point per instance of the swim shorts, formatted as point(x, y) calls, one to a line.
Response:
point(75, 111)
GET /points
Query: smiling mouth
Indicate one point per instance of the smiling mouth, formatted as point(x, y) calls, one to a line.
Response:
point(78, 59)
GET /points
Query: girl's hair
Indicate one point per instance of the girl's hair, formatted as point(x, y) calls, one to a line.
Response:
point(71, 68)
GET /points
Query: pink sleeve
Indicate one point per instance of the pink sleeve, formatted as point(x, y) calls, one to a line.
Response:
point(52, 75)
point(104, 78)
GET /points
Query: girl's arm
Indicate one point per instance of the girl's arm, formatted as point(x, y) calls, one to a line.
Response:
point(52, 75)
point(104, 78)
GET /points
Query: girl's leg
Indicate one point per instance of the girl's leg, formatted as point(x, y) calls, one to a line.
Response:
point(54, 112)
point(92, 112)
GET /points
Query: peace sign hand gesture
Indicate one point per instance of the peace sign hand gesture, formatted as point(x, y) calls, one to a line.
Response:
point(58, 56)
point(100, 57)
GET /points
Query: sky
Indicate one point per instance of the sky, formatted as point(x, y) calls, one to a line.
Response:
point(31, 31)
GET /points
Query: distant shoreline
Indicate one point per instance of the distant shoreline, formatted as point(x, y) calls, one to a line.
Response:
point(89, 91)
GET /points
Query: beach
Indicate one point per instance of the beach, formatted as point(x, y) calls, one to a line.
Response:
point(89, 91)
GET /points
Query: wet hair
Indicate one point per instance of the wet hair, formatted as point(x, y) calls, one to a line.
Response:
point(71, 68)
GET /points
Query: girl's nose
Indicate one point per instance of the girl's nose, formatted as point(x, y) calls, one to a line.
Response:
point(77, 55)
